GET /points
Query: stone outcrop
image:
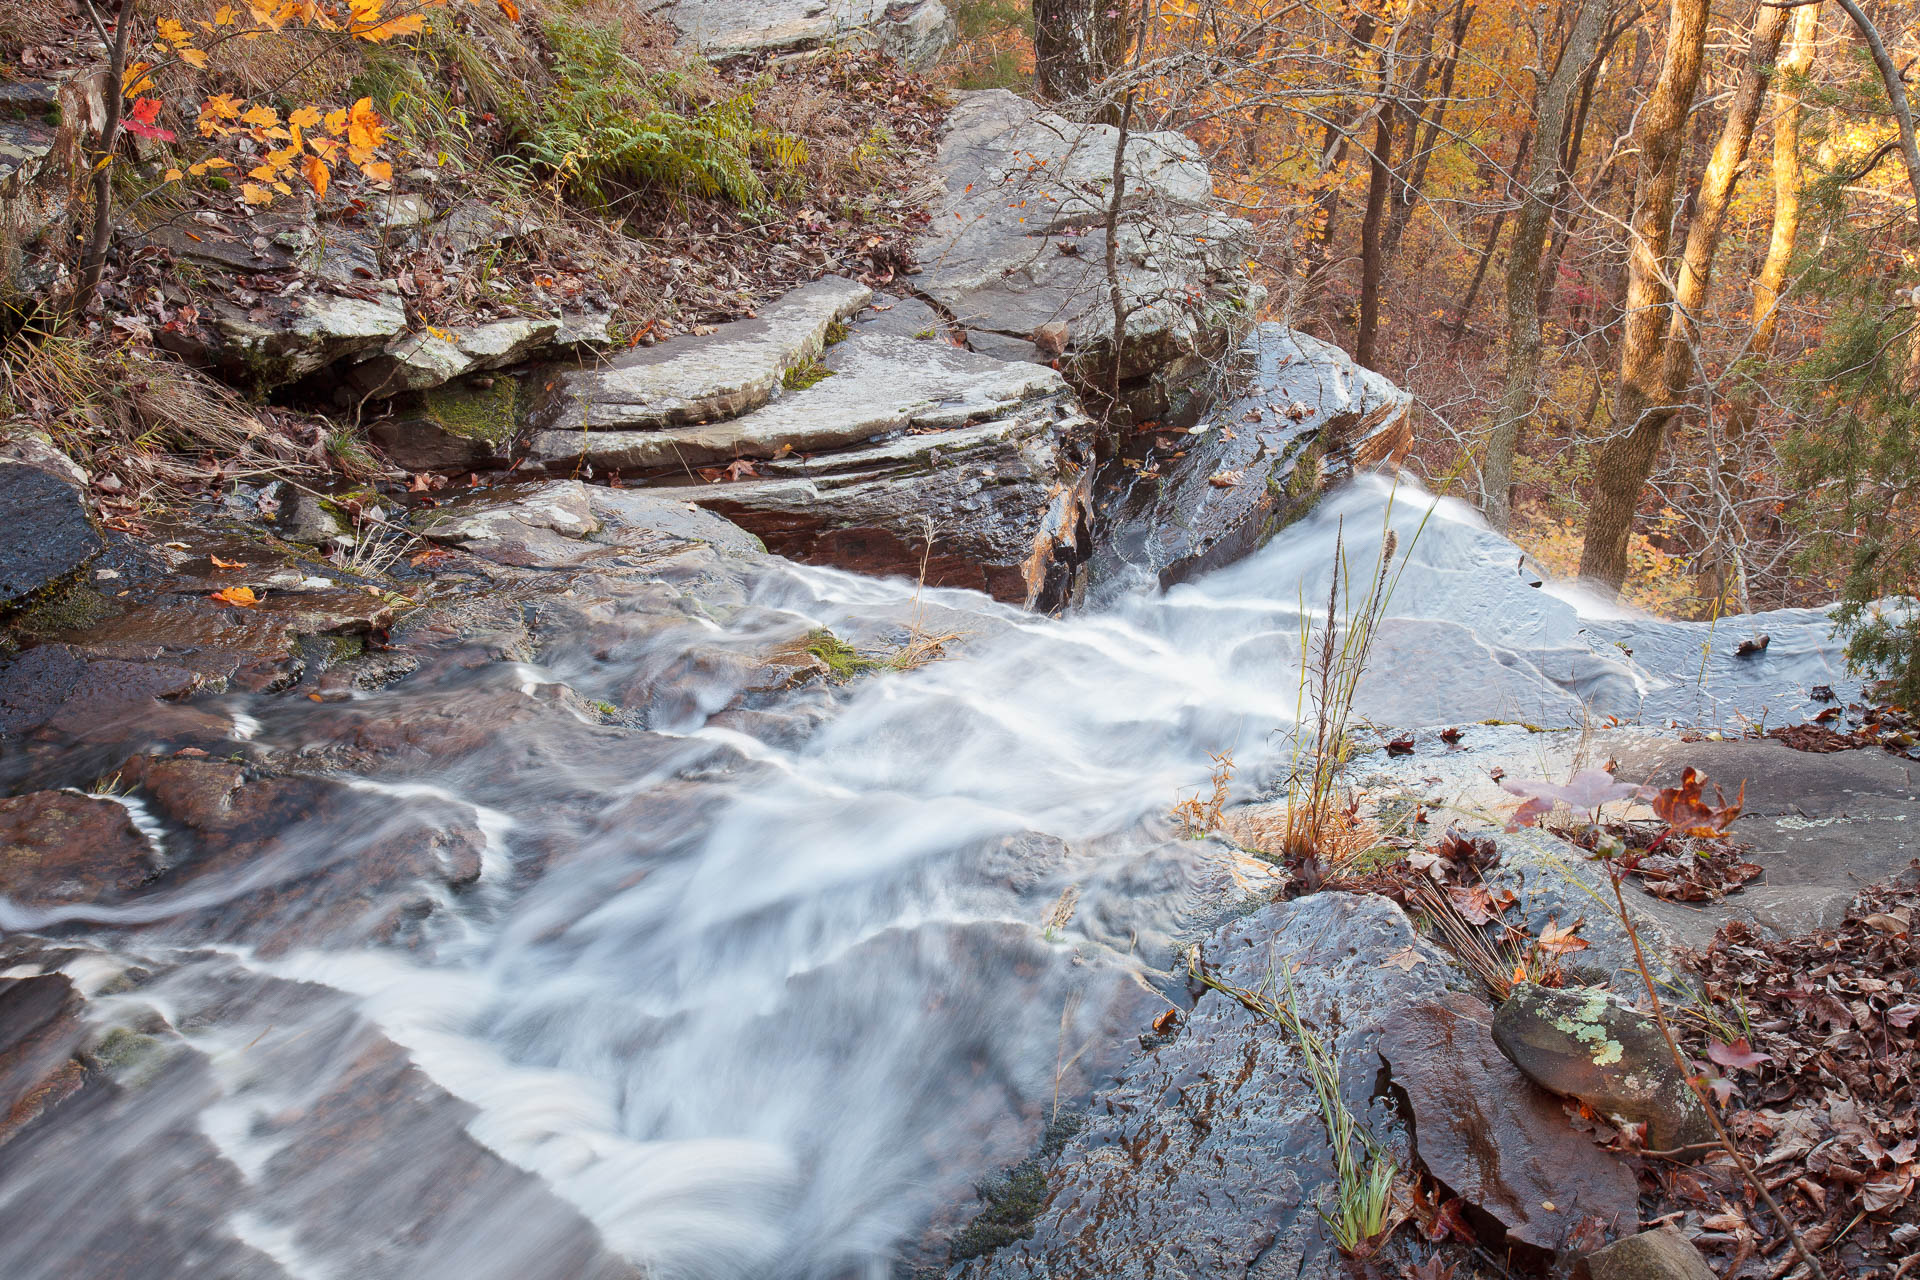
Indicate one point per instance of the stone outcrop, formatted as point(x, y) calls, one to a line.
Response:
point(1664, 1254)
point(847, 444)
point(915, 31)
point(46, 536)
point(1018, 244)
point(1297, 416)
point(1585, 1043)
point(1484, 1131)
point(1208, 1152)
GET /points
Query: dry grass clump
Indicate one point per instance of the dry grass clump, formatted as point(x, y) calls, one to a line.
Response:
point(144, 425)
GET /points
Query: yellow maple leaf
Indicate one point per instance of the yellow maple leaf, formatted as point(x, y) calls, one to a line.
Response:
point(225, 16)
point(410, 25)
point(172, 175)
point(239, 597)
point(304, 117)
point(194, 58)
point(379, 171)
point(172, 32)
point(364, 128)
point(222, 105)
point(336, 121)
point(261, 117)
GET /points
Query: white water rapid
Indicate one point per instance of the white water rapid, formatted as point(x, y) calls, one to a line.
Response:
point(759, 994)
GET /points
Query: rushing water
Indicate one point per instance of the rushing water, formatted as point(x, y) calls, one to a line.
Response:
point(754, 994)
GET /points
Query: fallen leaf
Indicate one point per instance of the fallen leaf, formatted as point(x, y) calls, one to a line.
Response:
point(1738, 1055)
point(218, 563)
point(238, 597)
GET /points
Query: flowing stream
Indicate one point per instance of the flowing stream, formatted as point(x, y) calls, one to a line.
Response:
point(757, 994)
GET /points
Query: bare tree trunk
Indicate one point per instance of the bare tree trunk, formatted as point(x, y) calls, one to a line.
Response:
point(1372, 260)
point(1077, 46)
point(1523, 261)
point(1486, 253)
point(1723, 581)
point(1896, 94)
point(100, 235)
point(1628, 458)
point(1772, 281)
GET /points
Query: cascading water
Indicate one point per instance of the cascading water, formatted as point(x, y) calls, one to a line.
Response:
point(755, 993)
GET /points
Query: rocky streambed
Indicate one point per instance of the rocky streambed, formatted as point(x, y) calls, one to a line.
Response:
point(707, 814)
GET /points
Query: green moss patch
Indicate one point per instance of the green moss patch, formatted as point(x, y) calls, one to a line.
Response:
point(471, 412)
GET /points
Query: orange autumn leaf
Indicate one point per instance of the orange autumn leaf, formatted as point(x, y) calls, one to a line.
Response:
point(509, 8)
point(317, 175)
point(218, 563)
point(238, 597)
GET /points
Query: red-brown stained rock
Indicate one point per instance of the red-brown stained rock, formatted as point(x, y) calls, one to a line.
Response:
point(1495, 1138)
point(61, 846)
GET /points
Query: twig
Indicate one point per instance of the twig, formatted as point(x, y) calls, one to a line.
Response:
point(1706, 1103)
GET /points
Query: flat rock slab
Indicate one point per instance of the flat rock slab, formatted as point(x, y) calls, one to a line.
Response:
point(916, 31)
point(1824, 826)
point(707, 377)
point(1496, 1140)
point(1299, 416)
point(1019, 239)
point(46, 535)
point(871, 386)
point(1582, 1042)
point(1207, 1157)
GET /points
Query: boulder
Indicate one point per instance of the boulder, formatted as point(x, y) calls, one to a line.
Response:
point(1209, 1154)
point(733, 370)
point(285, 338)
point(1559, 883)
point(1018, 242)
point(1498, 1142)
point(916, 31)
point(1663, 1254)
point(62, 846)
point(530, 524)
point(51, 684)
point(1584, 1043)
point(1298, 417)
point(420, 359)
point(46, 536)
point(885, 451)
point(458, 427)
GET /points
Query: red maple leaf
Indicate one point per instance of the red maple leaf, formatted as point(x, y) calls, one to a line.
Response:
point(141, 120)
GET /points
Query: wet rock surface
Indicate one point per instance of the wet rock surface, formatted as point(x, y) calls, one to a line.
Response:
point(1582, 1042)
point(1297, 417)
point(47, 535)
point(1018, 242)
point(1493, 1138)
point(1205, 1157)
point(62, 846)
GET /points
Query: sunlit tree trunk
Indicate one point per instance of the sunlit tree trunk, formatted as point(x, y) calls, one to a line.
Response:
point(1628, 457)
point(1372, 258)
point(1523, 261)
point(1724, 582)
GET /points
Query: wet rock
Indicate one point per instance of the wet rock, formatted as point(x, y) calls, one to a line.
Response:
point(306, 519)
point(1299, 417)
point(1208, 1154)
point(53, 685)
point(900, 317)
point(22, 442)
point(1018, 242)
point(731, 371)
point(1664, 1254)
point(524, 524)
point(46, 535)
point(637, 519)
point(1582, 1042)
point(61, 846)
point(1502, 1145)
point(39, 1031)
point(916, 31)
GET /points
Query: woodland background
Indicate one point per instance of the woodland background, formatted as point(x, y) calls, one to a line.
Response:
point(1647, 267)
